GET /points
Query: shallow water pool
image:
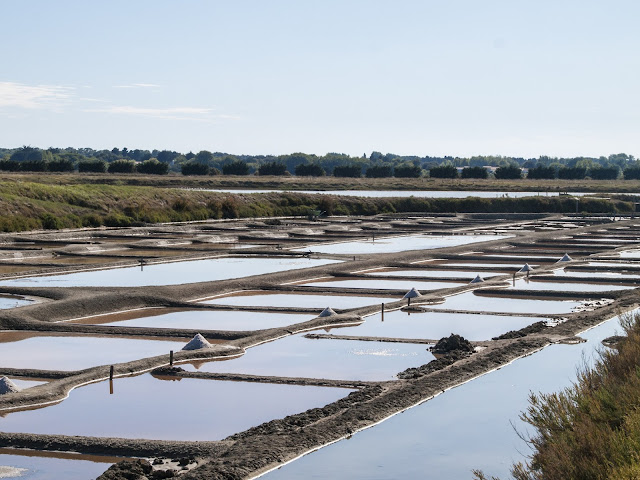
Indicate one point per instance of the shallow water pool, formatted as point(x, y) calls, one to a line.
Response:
point(200, 319)
point(319, 301)
point(186, 409)
point(10, 301)
point(400, 244)
point(435, 325)
point(171, 273)
point(34, 465)
point(480, 303)
point(525, 284)
point(297, 356)
point(466, 274)
point(385, 284)
point(60, 352)
point(465, 428)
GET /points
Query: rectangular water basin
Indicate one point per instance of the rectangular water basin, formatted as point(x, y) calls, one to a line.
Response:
point(525, 284)
point(582, 273)
point(634, 254)
point(64, 352)
point(171, 273)
point(189, 409)
point(35, 465)
point(469, 427)
point(297, 356)
point(198, 319)
point(400, 244)
point(435, 325)
point(304, 300)
point(465, 274)
point(385, 284)
point(481, 303)
point(12, 301)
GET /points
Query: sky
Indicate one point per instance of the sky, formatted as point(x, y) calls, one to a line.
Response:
point(424, 77)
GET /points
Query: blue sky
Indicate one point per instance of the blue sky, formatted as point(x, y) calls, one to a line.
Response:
point(522, 78)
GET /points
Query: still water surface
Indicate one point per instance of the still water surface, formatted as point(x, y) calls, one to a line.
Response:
point(465, 428)
point(171, 273)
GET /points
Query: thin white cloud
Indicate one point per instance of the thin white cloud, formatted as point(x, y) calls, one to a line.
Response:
point(173, 113)
point(138, 85)
point(33, 96)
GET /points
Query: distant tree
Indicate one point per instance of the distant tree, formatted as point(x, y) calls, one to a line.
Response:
point(379, 171)
point(153, 167)
point(353, 171)
point(30, 154)
point(309, 170)
point(94, 166)
point(194, 168)
point(574, 173)
point(272, 168)
point(122, 166)
point(407, 170)
point(630, 173)
point(237, 167)
point(203, 156)
point(7, 165)
point(605, 173)
point(166, 156)
point(444, 171)
point(541, 172)
point(474, 172)
point(509, 172)
point(61, 165)
point(190, 155)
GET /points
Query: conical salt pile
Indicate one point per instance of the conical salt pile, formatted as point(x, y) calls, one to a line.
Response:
point(7, 386)
point(478, 279)
point(327, 312)
point(197, 343)
point(413, 293)
point(566, 258)
point(526, 268)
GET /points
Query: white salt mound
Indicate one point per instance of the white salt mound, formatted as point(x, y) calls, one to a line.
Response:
point(478, 279)
point(413, 293)
point(327, 312)
point(566, 258)
point(526, 268)
point(197, 343)
point(7, 386)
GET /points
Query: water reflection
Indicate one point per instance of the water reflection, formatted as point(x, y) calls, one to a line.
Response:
point(171, 273)
point(465, 428)
point(435, 325)
point(145, 407)
point(400, 244)
point(297, 356)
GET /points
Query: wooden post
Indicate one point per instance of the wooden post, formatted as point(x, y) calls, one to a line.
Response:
point(110, 387)
point(171, 357)
point(409, 302)
point(111, 372)
point(383, 312)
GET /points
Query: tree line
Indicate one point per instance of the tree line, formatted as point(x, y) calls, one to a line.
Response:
point(376, 165)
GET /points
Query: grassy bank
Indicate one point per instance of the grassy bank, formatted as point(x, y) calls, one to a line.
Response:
point(30, 206)
point(327, 183)
point(591, 430)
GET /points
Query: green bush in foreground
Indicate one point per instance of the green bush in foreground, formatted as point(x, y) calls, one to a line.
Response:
point(592, 429)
